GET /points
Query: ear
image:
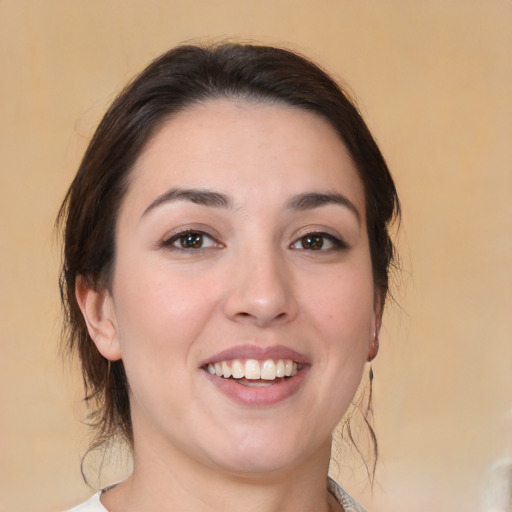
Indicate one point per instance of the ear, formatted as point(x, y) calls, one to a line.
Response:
point(98, 311)
point(373, 347)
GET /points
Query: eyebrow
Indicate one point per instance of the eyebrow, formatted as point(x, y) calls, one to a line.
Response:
point(311, 200)
point(193, 195)
point(205, 197)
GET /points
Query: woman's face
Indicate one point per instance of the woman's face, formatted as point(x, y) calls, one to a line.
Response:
point(241, 250)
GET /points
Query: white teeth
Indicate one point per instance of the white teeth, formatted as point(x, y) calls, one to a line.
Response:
point(226, 370)
point(237, 370)
point(280, 368)
point(268, 370)
point(253, 369)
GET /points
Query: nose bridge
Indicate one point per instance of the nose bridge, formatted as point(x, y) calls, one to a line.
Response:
point(261, 289)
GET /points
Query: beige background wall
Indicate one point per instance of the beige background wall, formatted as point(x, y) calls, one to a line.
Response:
point(433, 79)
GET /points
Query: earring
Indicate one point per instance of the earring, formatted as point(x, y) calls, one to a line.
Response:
point(369, 409)
point(374, 348)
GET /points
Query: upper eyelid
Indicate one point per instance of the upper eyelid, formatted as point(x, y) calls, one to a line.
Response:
point(182, 231)
point(317, 230)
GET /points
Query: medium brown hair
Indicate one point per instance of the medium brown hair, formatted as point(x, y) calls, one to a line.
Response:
point(182, 77)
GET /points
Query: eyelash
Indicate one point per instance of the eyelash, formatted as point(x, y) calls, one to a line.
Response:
point(337, 243)
point(177, 240)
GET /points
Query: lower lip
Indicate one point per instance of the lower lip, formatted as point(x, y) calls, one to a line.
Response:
point(261, 395)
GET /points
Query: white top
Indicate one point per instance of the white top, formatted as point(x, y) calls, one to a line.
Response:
point(348, 503)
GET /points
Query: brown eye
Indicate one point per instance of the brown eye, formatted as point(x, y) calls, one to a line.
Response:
point(312, 242)
point(191, 241)
point(322, 242)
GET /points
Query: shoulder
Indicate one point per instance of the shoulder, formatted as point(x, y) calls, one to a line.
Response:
point(348, 503)
point(93, 504)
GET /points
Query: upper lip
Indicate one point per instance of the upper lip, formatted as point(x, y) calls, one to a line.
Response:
point(256, 352)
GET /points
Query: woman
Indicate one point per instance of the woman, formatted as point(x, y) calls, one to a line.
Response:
point(225, 272)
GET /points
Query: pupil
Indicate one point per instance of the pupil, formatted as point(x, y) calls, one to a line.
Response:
point(312, 242)
point(193, 240)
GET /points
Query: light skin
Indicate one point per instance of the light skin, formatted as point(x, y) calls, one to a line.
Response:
point(243, 229)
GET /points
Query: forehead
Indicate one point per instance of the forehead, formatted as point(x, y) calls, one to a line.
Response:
point(245, 148)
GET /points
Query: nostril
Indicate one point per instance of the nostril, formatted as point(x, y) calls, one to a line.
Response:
point(248, 305)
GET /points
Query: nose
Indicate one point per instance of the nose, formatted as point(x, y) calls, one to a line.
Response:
point(261, 291)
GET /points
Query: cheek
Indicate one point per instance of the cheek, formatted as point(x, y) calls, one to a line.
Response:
point(341, 311)
point(159, 321)
point(159, 316)
point(340, 314)
point(342, 303)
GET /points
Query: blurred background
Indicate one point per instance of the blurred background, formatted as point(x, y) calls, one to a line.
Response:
point(433, 80)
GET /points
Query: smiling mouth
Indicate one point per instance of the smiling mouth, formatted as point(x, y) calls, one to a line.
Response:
point(253, 372)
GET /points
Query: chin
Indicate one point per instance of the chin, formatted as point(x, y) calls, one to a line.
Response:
point(261, 456)
point(258, 466)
